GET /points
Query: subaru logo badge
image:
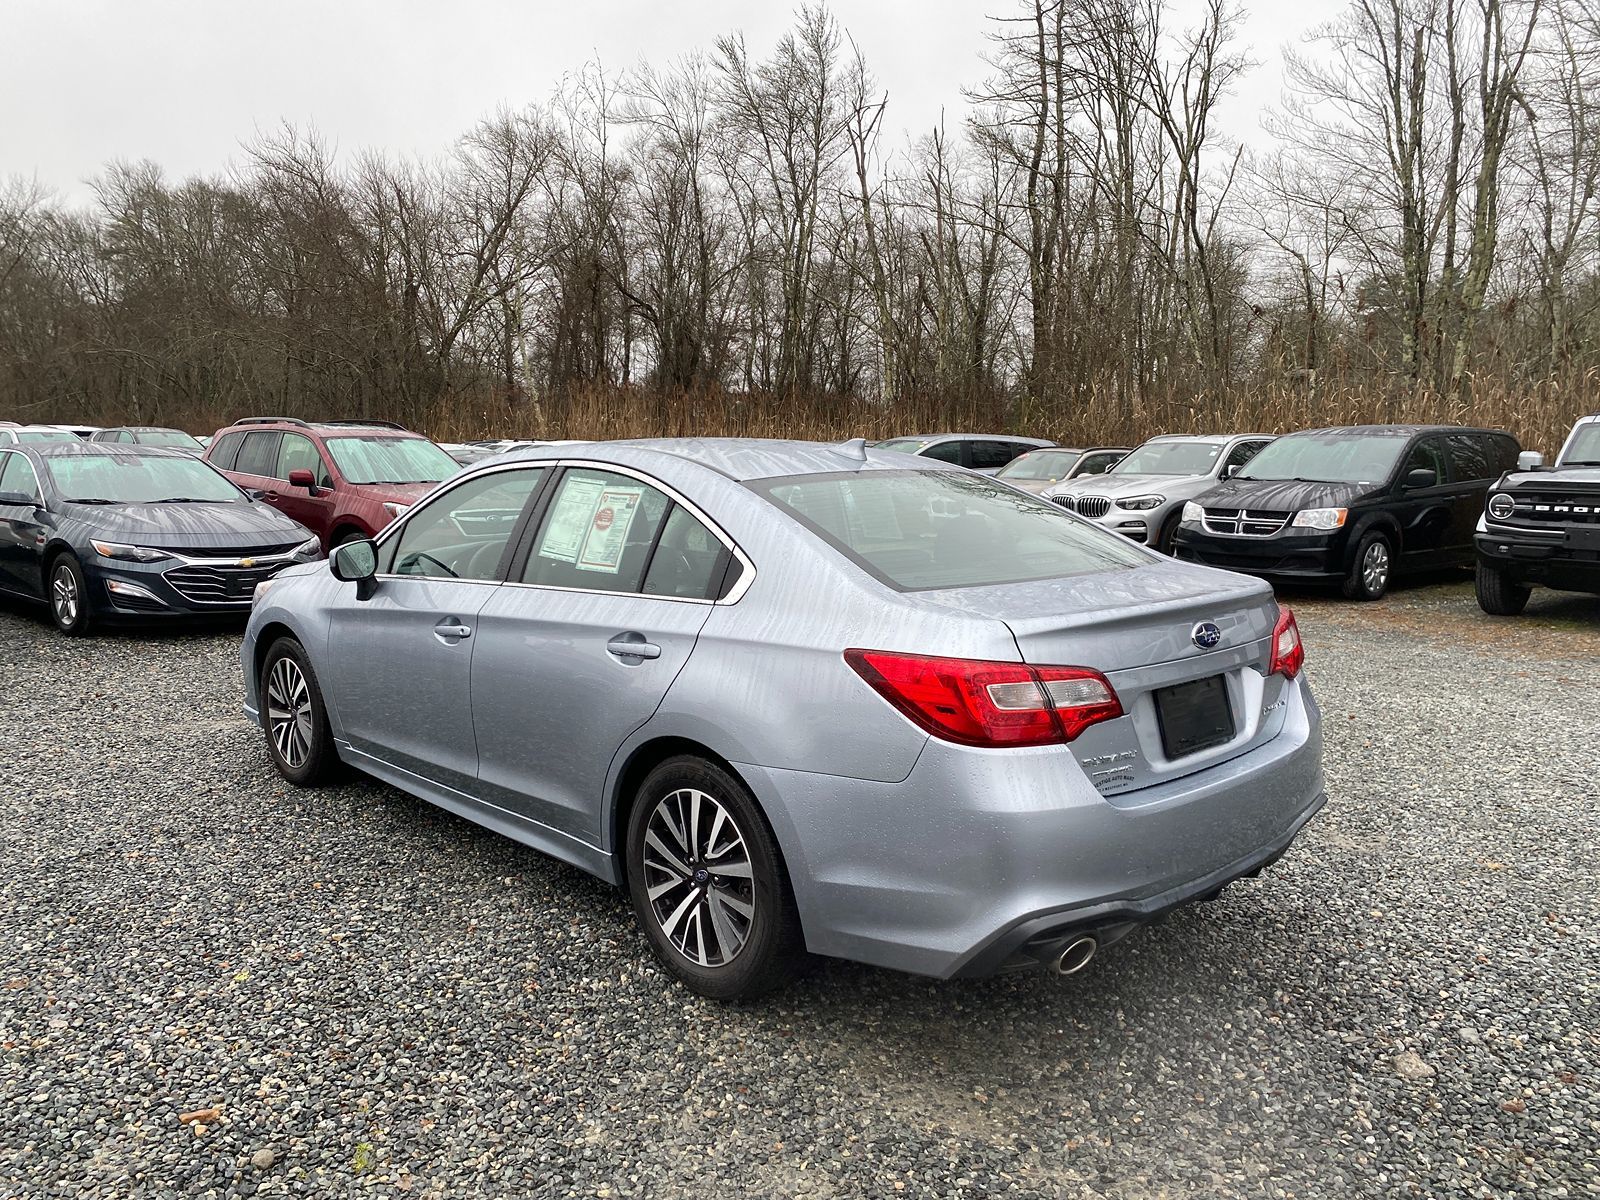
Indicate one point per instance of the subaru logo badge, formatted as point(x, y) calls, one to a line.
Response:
point(1206, 635)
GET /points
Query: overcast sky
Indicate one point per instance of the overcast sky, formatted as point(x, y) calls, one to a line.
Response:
point(183, 82)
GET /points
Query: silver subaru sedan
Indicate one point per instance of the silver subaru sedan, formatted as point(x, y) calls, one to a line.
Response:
point(804, 699)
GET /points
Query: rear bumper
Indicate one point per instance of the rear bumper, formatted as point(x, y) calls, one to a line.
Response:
point(978, 853)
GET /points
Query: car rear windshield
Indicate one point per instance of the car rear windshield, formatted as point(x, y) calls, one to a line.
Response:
point(1336, 457)
point(176, 438)
point(920, 530)
point(47, 435)
point(366, 459)
point(1040, 464)
point(138, 479)
point(1171, 458)
point(1585, 448)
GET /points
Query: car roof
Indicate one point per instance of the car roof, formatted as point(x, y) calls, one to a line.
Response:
point(141, 429)
point(736, 458)
point(1038, 443)
point(105, 450)
point(1392, 430)
point(322, 428)
point(1204, 437)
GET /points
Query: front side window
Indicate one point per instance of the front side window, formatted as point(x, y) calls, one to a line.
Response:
point(463, 533)
point(1427, 455)
point(16, 475)
point(1171, 458)
point(1336, 456)
point(299, 453)
point(1241, 454)
point(1097, 464)
point(139, 479)
point(368, 459)
point(921, 530)
point(1583, 448)
point(599, 532)
point(986, 456)
point(908, 445)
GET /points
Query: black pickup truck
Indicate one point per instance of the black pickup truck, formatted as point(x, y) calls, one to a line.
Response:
point(1542, 526)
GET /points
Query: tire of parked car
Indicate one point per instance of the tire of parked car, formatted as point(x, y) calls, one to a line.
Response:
point(346, 535)
point(299, 737)
point(708, 884)
point(69, 595)
point(1372, 569)
point(1167, 536)
point(1498, 594)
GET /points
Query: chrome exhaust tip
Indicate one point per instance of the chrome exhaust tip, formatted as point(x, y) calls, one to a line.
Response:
point(1076, 956)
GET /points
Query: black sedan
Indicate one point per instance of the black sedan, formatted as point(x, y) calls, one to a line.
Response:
point(101, 531)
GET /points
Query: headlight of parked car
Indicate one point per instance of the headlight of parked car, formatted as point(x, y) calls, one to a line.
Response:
point(307, 550)
point(1321, 518)
point(128, 553)
point(1193, 514)
point(1501, 506)
point(1141, 503)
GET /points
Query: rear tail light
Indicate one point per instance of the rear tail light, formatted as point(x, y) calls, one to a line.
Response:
point(1288, 655)
point(980, 703)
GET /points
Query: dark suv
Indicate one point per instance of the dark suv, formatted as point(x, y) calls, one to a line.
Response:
point(1543, 526)
point(1353, 506)
point(343, 480)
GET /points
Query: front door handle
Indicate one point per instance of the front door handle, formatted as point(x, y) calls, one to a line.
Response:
point(632, 645)
point(449, 629)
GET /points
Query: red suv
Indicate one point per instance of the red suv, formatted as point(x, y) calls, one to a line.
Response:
point(341, 479)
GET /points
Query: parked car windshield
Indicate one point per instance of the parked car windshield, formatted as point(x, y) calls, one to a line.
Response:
point(1170, 458)
point(138, 479)
point(919, 530)
point(1585, 448)
point(363, 459)
point(47, 435)
point(903, 445)
point(1040, 464)
point(176, 438)
point(1334, 457)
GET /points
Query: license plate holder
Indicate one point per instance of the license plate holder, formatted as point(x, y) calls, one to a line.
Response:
point(1194, 716)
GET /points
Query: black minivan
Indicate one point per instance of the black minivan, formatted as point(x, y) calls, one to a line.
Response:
point(1353, 506)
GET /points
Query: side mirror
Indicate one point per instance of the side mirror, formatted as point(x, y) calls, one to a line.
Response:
point(356, 562)
point(1530, 460)
point(1422, 477)
point(20, 499)
point(1229, 471)
point(300, 477)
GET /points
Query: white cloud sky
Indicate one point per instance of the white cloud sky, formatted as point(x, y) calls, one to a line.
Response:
point(183, 82)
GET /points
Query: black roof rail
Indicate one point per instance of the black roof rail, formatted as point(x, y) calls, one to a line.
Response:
point(273, 421)
point(369, 424)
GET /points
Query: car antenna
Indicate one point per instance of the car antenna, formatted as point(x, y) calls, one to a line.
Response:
point(855, 448)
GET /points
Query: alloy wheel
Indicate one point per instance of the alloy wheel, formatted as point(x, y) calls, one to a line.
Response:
point(1375, 568)
point(698, 877)
point(289, 717)
point(64, 597)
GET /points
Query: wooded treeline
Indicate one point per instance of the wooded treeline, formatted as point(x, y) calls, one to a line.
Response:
point(730, 243)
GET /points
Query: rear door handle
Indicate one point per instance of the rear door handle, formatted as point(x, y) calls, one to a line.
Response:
point(632, 646)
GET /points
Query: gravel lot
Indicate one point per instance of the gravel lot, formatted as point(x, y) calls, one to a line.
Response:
point(380, 999)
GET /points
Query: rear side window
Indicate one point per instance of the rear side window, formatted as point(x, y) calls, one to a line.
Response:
point(921, 530)
point(689, 560)
point(598, 533)
point(947, 452)
point(989, 456)
point(225, 451)
point(1470, 456)
point(259, 454)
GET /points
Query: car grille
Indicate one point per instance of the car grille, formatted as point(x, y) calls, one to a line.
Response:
point(235, 551)
point(1093, 507)
point(1242, 522)
point(219, 585)
point(1556, 509)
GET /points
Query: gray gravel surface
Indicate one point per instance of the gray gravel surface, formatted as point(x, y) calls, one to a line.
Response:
point(376, 998)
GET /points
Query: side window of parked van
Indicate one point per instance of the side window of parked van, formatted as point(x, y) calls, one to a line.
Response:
point(258, 455)
point(1470, 457)
point(225, 451)
point(991, 456)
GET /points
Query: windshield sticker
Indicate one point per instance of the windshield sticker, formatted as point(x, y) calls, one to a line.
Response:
point(570, 519)
point(607, 536)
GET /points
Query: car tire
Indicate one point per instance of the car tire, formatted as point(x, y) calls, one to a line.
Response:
point(731, 935)
point(1167, 537)
point(1498, 593)
point(1372, 570)
point(294, 717)
point(345, 535)
point(67, 593)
